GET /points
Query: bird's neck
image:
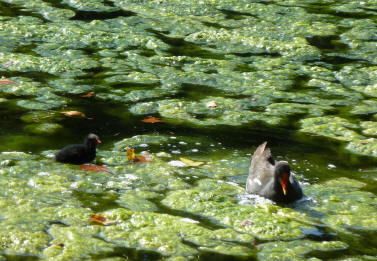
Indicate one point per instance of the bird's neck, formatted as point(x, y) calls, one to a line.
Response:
point(91, 146)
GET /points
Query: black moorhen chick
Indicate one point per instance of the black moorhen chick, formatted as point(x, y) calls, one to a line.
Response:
point(79, 153)
point(272, 179)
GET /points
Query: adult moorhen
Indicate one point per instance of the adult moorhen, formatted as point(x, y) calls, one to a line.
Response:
point(79, 153)
point(272, 179)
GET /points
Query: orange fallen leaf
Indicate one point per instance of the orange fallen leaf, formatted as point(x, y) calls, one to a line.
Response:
point(5, 81)
point(95, 168)
point(131, 157)
point(151, 119)
point(101, 220)
point(211, 104)
point(88, 95)
point(74, 114)
point(130, 154)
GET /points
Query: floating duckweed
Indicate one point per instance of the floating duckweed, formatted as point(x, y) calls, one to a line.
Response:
point(369, 127)
point(75, 242)
point(267, 222)
point(138, 140)
point(132, 201)
point(93, 5)
point(23, 242)
point(365, 147)
point(366, 107)
point(330, 126)
point(297, 249)
point(43, 128)
point(165, 234)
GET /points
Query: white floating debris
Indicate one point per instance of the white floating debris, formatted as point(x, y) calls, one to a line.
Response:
point(143, 145)
point(43, 173)
point(194, 150)
point(232, 183)
point(331, 166)
point(182, 143)
point(177, 163)
point(131, 177)
point(189, 220)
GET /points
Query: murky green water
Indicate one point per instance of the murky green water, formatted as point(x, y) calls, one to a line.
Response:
point(300, 74)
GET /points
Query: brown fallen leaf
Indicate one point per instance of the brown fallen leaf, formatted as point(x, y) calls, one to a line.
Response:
point(94, 168)
point(5, 81)
point(146, 157)
point(99, 219)
point(74, 114)
point(60, 244)
point(87, 95)
point(211, 104)
point(151, 119)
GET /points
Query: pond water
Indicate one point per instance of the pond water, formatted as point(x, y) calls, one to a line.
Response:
point(223, 76)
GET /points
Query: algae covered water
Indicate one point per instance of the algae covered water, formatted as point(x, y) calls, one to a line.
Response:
point(223, 76)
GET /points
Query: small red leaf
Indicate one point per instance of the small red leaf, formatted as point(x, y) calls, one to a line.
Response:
point(151, 119)
point(94, 168)
point(101, 220)
point(5, 81)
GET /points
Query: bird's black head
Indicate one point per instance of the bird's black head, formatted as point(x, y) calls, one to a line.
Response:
point(282, 173)
point(92, 138)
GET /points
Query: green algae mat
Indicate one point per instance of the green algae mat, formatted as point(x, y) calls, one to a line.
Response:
point(196, 86)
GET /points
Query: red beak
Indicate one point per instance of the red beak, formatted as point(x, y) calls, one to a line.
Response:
point(284, 182)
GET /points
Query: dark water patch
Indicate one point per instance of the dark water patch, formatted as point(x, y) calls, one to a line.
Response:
point(262, 53)
point(369, 9)
point(236, 15)
point(216, 25)
point(324, 9)
point(127, 253)
point(21, 257)
point(361, 240)
point(93, 15)
point(37, 76)
point(244, 68)
point(97, 202)
point(323, 42)
point(198, 91)
point(319, 234)
point(327, 254)
point(12, 10)
point(210, 256)
point(180, 47)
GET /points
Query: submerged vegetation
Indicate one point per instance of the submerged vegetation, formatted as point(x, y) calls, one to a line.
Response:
point(196, 84)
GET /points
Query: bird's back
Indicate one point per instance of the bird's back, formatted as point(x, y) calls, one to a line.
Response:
point(75, 153)
point(261, 171)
